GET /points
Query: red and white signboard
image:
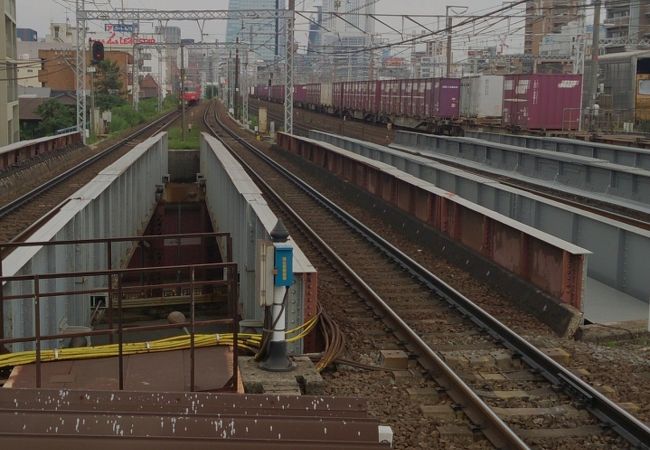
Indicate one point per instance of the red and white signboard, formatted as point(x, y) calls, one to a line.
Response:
point(114, 40)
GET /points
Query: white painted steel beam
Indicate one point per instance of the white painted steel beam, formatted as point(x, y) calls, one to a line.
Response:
point(236, 206)
point(119, 201)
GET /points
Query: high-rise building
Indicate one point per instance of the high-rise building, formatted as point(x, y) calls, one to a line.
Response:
point(260, 34)
point(544, 17)
point(627, 25)
point(353, 23)
point(170, 35)
point(315, 31)
point(27, 34)
point(9, 119)
point(343, 38)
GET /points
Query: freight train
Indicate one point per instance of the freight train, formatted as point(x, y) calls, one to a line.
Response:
point(191, 93)
point(445, 105)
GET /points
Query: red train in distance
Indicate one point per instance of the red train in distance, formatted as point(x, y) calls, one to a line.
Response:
point(191, 93)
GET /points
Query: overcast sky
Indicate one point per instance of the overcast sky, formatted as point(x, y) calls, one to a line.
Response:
point(37, 14)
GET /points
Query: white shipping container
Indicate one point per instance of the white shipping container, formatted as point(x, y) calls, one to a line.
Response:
point(481, 96)
point(326, 94)
point(466, 96)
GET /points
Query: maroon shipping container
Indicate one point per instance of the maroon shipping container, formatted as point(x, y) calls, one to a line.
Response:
point(277, 93)
point(360, 96)
point(416, 98)
point(445, 94)
point(312, 95)
point(542, 101)
point(390, 97)
point(262, 91)
point(299, 93)
point(337, 96)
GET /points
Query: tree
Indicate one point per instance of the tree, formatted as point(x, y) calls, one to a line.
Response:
point(108, 85)
point(55, 116)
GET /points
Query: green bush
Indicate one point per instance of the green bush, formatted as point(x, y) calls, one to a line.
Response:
point(192, 139)
point(124, 116)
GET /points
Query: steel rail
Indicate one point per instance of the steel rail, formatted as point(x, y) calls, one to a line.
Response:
point(481, 415)
point(627, 426)
point(13, 205)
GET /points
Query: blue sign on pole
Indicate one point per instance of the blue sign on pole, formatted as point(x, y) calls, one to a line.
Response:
point(121, 27)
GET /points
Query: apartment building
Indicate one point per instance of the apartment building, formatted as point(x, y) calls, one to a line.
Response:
point(627, 25)
point(548, 16)
point(9, 121)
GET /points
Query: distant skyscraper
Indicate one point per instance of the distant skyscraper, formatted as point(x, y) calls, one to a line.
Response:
point(315, 31)
point(260, 31)
point(344, 37)
point(353, 23)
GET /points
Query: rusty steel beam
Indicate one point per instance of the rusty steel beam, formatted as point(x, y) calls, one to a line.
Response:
point(527, 253)
point(19, 152)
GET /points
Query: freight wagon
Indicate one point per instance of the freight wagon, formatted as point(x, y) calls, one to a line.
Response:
point(445, 105)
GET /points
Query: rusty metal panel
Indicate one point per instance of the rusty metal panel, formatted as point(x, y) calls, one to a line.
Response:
point(471, 229)
point(73, 419)
point(22, 151)
point(507, 244)
point(546, 269)
point(421, 207)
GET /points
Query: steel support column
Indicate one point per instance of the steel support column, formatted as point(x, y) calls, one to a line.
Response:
point(80, 68)
point(288, 94)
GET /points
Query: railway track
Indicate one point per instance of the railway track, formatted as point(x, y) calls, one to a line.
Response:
point(602, 208)
point(28, 211)
point(513, 393)
point(368, 132)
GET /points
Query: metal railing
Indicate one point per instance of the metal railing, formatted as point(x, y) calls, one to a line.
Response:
point(116, 291)
point(601, 120)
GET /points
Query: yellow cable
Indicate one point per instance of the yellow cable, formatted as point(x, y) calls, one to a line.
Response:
point(244, 340)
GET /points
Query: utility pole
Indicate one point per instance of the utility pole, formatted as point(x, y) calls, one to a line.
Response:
point(277, 31)
point(160, 80)
point(371, 65)
point(93, 125)
point(182, 92)
point(237, 78)
point(244, 108)
point(80, 69)
point(230, 81)
point(448, 21)
point(595, 50)
point(288, 94)
point(136, 76)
